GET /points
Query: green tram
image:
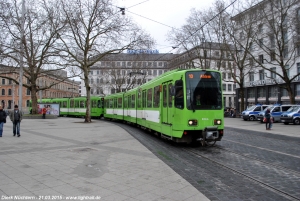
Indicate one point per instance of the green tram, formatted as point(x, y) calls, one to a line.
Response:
point(77, 106)
point(179, 105)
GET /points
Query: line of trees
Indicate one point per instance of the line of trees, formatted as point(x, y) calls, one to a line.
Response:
point(258, 35)
point(63, 35)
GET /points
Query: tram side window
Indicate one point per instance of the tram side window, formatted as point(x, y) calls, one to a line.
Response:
point(71, 103)
point(156, 96)
point(179, 94)
point(149, 98)
point(129, 101)
point(115, 103)
point(165, 98)
point(110, 103)
point(144, 99)
point(99, 105)
point(139, 99)
point(133, 101)
point(125, 101)
point(77, 104)
point(81, 104)
point(170, 95)
point(119, 102)
point(64, 104)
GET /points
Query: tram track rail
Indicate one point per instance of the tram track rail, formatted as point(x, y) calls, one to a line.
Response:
point(265, 185)
point(261, 161)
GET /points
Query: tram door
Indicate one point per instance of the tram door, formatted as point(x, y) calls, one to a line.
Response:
point(167, 104)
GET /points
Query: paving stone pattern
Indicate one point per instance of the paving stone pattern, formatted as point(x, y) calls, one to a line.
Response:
point(218, 183)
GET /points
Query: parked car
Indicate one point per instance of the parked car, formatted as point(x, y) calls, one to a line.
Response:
point(291, 116)
point(252, 112)
point(276, 111)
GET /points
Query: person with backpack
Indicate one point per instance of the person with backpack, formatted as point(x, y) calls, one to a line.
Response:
point(2, 119)
point(16, 118)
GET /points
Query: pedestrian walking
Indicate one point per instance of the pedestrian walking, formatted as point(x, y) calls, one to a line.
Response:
point(271, 121)
point(44, 110)
point(2, 119)
point(16, 118)
point(268, 119)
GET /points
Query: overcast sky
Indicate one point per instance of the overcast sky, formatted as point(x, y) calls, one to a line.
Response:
point(172, 13)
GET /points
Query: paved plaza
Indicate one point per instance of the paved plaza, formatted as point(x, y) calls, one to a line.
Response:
point(66, 159)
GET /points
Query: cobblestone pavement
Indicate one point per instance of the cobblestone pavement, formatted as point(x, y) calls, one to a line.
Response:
point(266, 165)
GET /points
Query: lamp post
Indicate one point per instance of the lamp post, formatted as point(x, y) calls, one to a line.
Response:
point(21, 55)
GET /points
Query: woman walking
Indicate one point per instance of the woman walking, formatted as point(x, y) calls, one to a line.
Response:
point(268, 119)
point(2, 119)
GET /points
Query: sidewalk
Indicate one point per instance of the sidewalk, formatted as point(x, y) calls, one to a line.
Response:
point(277, 128)
point(55, 159)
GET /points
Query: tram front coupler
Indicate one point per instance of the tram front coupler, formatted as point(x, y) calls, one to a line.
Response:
point(209, 134)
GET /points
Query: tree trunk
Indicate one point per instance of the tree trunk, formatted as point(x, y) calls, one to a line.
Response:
point(34, 101)
point(88, 101)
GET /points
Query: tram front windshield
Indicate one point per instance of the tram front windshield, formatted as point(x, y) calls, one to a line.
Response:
point(203, 90)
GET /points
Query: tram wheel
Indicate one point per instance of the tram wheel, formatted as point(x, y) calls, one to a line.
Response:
point(210, 143)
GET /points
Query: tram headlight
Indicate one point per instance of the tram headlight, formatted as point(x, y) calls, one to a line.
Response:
point(193, 122)
point(217, 122)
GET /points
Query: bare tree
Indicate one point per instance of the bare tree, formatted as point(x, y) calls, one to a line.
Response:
point(276, 42)
point(238, 42)
point(97, 28)
point(41, 54)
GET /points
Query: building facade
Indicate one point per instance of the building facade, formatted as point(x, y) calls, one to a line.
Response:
point(121, 72)
point(9, 91)
point(274, 55)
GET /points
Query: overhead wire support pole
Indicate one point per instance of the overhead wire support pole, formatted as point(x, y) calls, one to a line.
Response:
point(21, 56)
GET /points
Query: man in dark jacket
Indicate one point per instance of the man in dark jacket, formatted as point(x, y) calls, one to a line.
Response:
point(2, 119)
point(16, 118)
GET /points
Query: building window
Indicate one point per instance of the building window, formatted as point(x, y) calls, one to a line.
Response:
point(229, 87)
point(128, 63)
point(9, 92)
point(261, 58)
point(298, 90)
point(251, 76)
point(3, 81)
point(229, 76)
point(273, 92)
point(3, 92)
point(272, 55)
point(224, 87)
point(229, 64)
point(272, 41)
point(261, 42)
point(261, 74)
point(285, 52)
point(261, 92)
point(224, 75)
point(287, 69)
point(273, 72)
point(260, 28)
point(28, 92)
point(284, 92)
point(251, 93)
